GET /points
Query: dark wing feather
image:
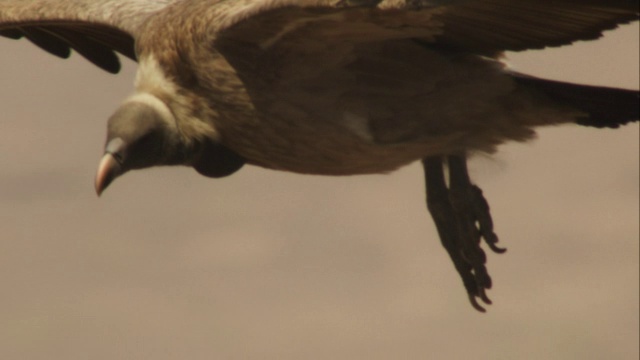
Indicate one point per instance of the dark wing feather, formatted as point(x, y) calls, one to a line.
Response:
point(96, 29)
point(99, 49)
point(96, 43)
point(603, 106)
point(46, 41)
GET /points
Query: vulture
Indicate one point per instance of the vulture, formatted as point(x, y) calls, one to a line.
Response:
point(334, 87)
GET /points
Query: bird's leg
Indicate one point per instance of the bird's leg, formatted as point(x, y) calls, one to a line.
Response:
point(462, 217)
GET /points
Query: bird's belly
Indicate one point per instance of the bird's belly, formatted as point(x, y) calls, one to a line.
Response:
point(338, 154)
point(346, 146)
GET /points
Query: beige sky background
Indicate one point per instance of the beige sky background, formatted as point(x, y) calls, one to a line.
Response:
point(268, 265)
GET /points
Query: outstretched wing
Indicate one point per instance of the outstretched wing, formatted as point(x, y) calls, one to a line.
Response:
point(96, 29)
point(482, 26)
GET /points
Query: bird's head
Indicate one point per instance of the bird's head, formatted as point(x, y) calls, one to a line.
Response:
point(143, 133)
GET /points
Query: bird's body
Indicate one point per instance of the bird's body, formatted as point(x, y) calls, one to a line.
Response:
point(294, 105)
point(333, 87)
point(388, 103)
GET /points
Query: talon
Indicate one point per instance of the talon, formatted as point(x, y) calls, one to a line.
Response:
point(496, 249)
point(474, 303)
point(483, 296)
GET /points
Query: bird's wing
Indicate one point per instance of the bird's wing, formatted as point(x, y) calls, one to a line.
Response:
point(96, 29)
point(485, 27)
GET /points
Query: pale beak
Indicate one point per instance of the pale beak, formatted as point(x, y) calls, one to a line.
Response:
point(109, 167)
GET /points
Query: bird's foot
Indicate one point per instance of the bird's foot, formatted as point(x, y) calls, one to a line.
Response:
point(462, 217)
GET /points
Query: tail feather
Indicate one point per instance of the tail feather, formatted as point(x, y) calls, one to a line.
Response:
point(606, 107)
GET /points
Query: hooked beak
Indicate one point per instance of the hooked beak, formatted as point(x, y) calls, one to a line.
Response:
point(109, 168)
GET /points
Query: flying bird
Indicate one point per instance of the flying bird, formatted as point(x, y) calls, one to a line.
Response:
point(334, 87)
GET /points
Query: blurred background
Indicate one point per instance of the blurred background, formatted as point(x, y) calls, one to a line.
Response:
point(270, 265)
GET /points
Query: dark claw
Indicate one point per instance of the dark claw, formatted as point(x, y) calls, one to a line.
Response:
point(485, 222)
point(462, 218)
point(474, 303)
point(483, 296)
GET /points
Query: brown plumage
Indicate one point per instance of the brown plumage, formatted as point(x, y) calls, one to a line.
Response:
point(334, 87)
